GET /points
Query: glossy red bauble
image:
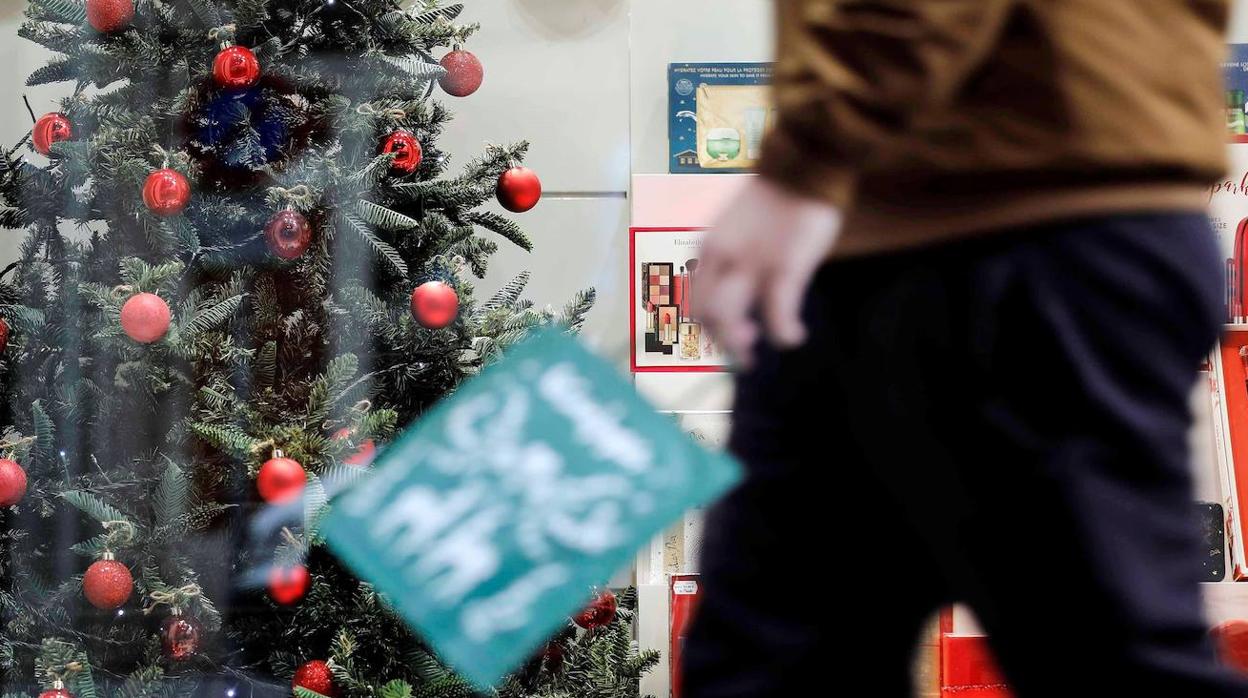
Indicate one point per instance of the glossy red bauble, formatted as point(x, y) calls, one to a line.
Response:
point(107, 16)
point(4, 335)
point(107, 584)
point(464, 73)
point(363, 455)
point(12, 482)
point(288, 584)
point(236, 68)
point(600, 612)
point(145, 318)
point(315, 676)
point(281, 480)
point(166, 192)
point(56, 693)
point(179, 637)
point(49, 129)
point(406, 149)
point(288, 234)
point(519, 189)
point(435, 305)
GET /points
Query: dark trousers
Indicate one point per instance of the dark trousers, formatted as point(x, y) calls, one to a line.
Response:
point(1000, 422)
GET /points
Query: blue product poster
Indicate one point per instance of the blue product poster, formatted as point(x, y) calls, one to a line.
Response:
point(717, 115)
point(487, 522)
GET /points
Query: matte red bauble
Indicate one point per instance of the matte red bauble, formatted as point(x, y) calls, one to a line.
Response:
point(600, 612)
point(4, 335)
point(406, 149)
point(281, 479)
point(108, 16)
point(1232, 641)
point(107, 584)
point(464, 73)
point(235, 68)
point(519, 189)
point(362, 455)
point(315, 676)
point(49, 129)
point(435, 305)
point(179, 637)
point(57, 691)
point(288, 234)
point(166, 192)
point(12, 482)
point(145, 318)
point(288, 584)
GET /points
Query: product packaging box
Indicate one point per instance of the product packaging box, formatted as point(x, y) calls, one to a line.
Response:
point(717, 115)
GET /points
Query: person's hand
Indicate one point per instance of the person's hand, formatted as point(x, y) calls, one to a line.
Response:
point(761, 256)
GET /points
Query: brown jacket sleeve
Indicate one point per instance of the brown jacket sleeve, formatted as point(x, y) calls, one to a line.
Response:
point(850, 75)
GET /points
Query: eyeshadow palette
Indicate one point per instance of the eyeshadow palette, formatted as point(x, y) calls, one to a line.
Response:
point(659, 283)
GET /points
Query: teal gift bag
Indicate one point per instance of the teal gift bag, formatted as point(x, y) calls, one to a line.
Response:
point(486, 523)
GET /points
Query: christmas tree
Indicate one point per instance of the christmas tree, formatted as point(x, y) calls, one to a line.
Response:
point(247, 265)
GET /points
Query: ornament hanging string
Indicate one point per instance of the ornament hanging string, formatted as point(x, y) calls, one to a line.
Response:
point(392, 113)
point(120, 532)
point(62, 672)
point(299, 196)
point(174, 598)
point(223, 33)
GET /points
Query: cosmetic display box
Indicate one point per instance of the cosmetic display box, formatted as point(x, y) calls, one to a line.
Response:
point(666, 334)
point(717, 115)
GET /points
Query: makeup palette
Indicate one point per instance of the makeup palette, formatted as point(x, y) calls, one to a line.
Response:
point(659, 283)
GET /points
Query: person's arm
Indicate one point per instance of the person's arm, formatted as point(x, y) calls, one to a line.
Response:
point(851, 74)
point(850, 77)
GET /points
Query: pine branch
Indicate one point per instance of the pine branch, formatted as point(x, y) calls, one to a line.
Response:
point(93, 506)
point(380, 248)
point(382, 217)
point(172, 496)
point(503, 226)
point(228, 439)
point(445, 14)
point(508, 294)
point(213, 316)
point(327, 388)
point(65, 11)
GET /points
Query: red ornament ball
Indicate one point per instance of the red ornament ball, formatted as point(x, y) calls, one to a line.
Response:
point(519, 189)
point(281, 479)
point(12, 482)
point(236, 68)
point(362, 455)
point(4, 335)
point(288, 584)
point(49, 129)
point(288, 234)
point(107, 584)
point(145, 318)
point(600, 612)
point(315, 676)
point(435, 305)
point(58, 692)
point(179, 637)
point(406, 149)
point(464, 73)
point(1232, 641)
point(107, 16)
point(166, 192)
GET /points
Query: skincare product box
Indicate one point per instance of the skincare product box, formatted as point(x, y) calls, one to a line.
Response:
point(717, 116)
